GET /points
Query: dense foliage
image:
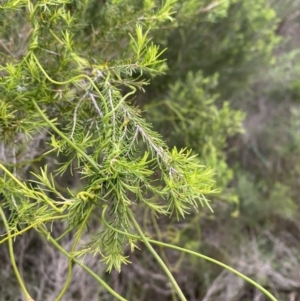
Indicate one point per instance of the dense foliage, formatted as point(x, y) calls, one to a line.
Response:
point(118, 119)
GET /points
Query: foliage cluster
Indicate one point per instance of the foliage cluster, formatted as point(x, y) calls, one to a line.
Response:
point(102, 102)
point(60, 91)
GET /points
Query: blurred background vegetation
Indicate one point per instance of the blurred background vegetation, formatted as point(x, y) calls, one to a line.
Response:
point(231, 92)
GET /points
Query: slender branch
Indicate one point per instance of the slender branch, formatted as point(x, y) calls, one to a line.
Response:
point(71, 143)
point(87, 269)
point(72, 80)
point(75, 114)
point(113, 113)
point(160, 237)
point(95, 104)
point(31, 192)
point(80, 101)
point(159, 150)
point(258, 286)
point(35, 224)
point(157, 257)
point(70, 269)
point(12, 258)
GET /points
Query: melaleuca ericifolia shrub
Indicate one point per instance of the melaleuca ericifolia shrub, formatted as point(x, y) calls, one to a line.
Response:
point(70, 85)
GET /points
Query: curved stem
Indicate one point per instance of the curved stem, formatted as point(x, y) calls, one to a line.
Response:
point(162, 250)
point(63, 234)
point(157, 257)
point(159, 236)
point(12, 258)
point(87, 269)
point(71, 143)
point(258, 286)
point(72, 80)
point(37, 223)
point(31, 192)
point(70, 269)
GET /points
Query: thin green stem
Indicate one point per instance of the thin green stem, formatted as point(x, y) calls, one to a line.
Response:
point(157, 257)
point(32, 13)
point(31, 193)
point(13, 177)
point(81, 76)
point(12, 258)
point(37, 223)
point(162, 250)
point(71, 143)
point(258, 286)
point(63, 234)
point(56, 37)
point(159, 236)
point(70, 269)
point(87, 269)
